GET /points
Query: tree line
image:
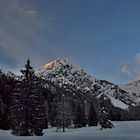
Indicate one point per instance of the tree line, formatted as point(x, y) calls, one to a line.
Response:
point(29, 104)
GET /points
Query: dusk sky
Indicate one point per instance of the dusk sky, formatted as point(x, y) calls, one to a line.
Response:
point(100, 36)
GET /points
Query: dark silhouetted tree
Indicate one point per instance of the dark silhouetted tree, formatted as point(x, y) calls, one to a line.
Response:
point(92, 116)
point(64, 115)
point(28, 101)
point(104, 119)
point(80, 117)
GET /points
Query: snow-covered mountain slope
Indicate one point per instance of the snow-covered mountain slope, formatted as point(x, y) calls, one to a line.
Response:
point(116, 92)
point(8, 73)
point(133, 89)
point(62, 73)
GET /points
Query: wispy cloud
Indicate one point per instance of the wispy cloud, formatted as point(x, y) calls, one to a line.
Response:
point(19, 32)
point(15, 49)
point(133, 70)
point(138, 58)
point(126, 70)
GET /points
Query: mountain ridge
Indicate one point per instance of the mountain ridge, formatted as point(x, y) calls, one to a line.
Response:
point(62, 73)
point(69, 77)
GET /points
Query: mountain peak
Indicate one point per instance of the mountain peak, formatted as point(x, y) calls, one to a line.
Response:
point(62, 73)
point(55, 63)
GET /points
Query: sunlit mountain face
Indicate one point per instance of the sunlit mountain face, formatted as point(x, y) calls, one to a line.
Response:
point(53, 63)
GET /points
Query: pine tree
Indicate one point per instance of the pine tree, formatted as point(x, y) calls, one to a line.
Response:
point(17, 114)
point(64, 113)
point(92, 116)
point(1, 111)
point(27, 87)
point(28, 76)
point(6, 85)
point(36, 113)
point(80, 117)
point(103, 115)
point(29, 102)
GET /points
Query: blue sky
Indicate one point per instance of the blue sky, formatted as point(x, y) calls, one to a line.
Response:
point(100, 36)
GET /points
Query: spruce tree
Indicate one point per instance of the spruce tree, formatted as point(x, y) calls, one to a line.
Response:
point(6, 86)
point(64, 115)
point(92, 116)
point(29, 102)
point(28, 76)
point(104, 118)
point(80, 117)
point(27, 87)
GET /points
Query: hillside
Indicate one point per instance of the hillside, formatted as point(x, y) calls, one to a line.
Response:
point(64, 74)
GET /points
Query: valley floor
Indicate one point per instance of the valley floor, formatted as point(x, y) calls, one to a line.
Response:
point(122, 131)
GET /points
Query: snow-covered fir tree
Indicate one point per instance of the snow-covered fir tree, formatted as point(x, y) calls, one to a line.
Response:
point(103, 116)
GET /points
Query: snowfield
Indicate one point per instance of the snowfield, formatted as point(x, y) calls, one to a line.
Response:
point(122, 131)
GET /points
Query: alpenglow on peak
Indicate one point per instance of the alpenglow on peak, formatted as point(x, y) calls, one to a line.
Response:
point(54, 63)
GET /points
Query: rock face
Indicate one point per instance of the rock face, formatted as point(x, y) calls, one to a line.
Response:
point(62, 73)
point(67, 76)
point(133, 89)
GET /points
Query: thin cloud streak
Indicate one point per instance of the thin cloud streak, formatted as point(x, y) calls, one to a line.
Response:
point(132, 71)
point(15, 49)
point(26, 21)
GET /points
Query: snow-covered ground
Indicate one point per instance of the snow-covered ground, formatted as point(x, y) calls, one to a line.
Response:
point(122, 131)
